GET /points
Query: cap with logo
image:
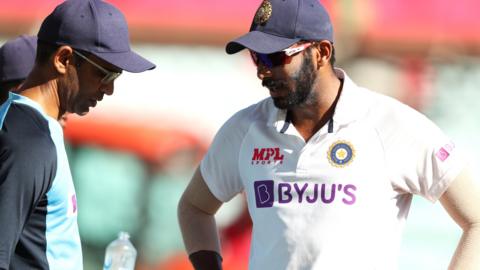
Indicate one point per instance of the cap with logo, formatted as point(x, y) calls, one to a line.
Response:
point(278, 24)
point(96, 27)
point(17, 57)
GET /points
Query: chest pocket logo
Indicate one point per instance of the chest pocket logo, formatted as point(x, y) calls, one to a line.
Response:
point(341, 154)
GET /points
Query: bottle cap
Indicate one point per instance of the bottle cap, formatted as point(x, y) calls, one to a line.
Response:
point(123, 235)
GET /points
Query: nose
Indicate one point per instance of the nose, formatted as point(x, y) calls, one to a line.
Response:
point(108, 88)
point(263, 71)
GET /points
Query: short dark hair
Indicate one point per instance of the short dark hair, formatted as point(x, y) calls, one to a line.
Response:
point(332, 57)
point(45, 50)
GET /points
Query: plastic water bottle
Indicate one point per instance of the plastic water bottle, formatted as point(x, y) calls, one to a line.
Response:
point(121, 254)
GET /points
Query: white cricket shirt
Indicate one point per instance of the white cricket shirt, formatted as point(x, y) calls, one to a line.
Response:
point(340, 200)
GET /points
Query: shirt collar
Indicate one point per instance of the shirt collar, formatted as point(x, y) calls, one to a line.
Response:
point(277, 118)
point(27, 101)
point(352, 103)
point(15, 98)
point(53, 123)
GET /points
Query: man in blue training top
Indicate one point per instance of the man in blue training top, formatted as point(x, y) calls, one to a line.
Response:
point(83, 46)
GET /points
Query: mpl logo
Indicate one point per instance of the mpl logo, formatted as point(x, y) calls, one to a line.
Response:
point(262, 156)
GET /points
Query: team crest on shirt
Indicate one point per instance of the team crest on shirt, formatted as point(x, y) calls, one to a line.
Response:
point(341, 153)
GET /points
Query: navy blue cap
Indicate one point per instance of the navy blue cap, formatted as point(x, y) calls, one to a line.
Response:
point(278, 24)
point(96, 27)
point(17, 57)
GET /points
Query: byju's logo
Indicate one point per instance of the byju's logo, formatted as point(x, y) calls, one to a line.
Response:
point(264, 193)
point(267, 192)
point(266, 156)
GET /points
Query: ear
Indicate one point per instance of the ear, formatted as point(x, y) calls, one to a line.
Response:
point(62, 59)
point(323, 53)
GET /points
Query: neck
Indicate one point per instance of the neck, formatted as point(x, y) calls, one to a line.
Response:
point(43, 90)
point(310, 117)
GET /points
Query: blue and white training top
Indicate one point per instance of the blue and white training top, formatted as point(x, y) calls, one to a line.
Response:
point(38, 208)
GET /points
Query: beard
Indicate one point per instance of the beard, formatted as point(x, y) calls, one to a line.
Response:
point(303, 80)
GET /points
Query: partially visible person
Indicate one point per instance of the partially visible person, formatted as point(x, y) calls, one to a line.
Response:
point(83, 46)
point(17, 57)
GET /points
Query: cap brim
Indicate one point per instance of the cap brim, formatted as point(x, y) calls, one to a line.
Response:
point(260, 42)
point(128, 61)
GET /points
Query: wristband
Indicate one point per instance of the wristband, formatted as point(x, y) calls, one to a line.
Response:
point(206, 260)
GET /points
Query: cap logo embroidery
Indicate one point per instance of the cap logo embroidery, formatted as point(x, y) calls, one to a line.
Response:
point(263, 13)
point(340, 154)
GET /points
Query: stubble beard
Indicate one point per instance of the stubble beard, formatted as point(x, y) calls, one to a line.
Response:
point(68, 92)
point(304, 80)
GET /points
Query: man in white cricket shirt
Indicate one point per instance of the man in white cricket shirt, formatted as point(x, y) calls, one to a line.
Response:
point(328, 168)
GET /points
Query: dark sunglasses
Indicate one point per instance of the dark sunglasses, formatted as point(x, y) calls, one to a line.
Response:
point(279, 58)
point(109, 77)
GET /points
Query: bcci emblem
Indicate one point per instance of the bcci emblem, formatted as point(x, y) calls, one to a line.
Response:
point(263, 13)
point(341, 153)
